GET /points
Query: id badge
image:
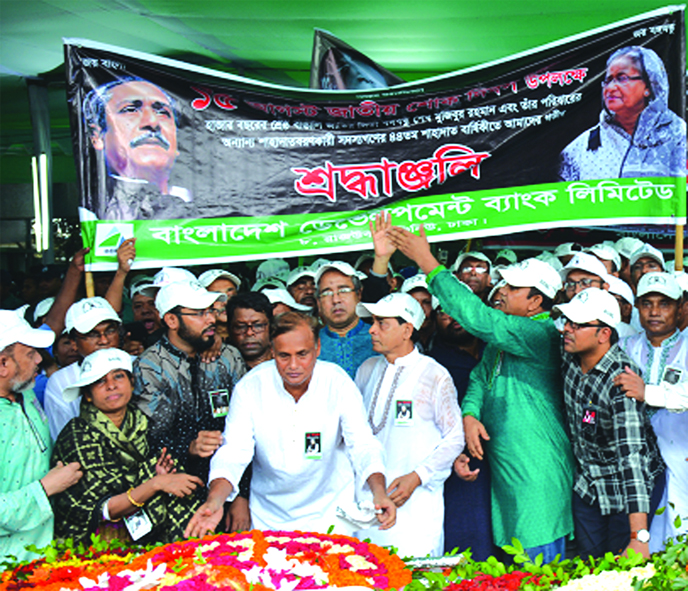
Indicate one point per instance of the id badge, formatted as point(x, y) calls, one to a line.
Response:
point(138, 524)
point(403, 413)
point(589, 420)
point(313, 446)
point(672, 376)
point(219, 403)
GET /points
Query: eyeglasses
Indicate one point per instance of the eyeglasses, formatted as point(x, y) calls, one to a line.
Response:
point(256, 327)
point(477, 270)
point(578, 326)
point(202, 313)
point(620, 79)
point(96, 335)
point(586, 282)
point(328, 293)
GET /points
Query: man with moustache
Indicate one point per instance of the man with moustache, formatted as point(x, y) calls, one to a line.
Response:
point(301, 285)
point(473, 268)
point(26, 516)
point(177, 391)
point(133, 124)
point(249, 317)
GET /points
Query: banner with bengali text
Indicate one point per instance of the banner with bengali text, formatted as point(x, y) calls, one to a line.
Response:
point(204, 167)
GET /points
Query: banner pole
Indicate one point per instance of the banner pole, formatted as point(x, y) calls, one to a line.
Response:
point(678, 248)
point(90, 288)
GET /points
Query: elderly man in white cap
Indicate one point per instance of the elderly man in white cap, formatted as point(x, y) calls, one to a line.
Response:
point(617, 459)
point(661, 353)
point(344, 339)
point(647, 259)
point(513, 408)
point(94, 325)
point(473, 268)
point(301, 285)
point(25, 445)
point(413, 410)
point(186, 400)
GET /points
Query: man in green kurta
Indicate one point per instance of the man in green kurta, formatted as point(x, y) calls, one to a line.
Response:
point(514, 405)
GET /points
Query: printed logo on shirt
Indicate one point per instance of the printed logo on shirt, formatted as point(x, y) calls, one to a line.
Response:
point(312, 447)
point(672, 375)
point(403, 416)
point(590, 417)
point(219, 403)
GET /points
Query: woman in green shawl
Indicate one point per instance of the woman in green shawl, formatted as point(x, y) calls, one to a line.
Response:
point(123, 480)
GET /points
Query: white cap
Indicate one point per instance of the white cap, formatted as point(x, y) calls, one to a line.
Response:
point(317, 263)
point(621, 288)
point(659, 282)
point(273, 268)
point(649, 251)
point(470, 255)
point(94, 367)
point(14, 329)
point(416, 281)
point(342, 267)
point(42, 308)
point(551, 260)
point(566, 249)
point(394, 305)
point(533, 273)
point(591, 304)
point(299, 273)
point(501, 283)
point(583, 261)
point(188, 294)
point(140, 284)
point(681, 279)
point(165, 276)
point(627, 246)
point(205, 279)
point(272, 282)
point(86, 314)
point(282, 296)
point(607, 253)
point(508, 254)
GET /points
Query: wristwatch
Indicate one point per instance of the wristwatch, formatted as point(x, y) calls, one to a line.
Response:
point(642, 535)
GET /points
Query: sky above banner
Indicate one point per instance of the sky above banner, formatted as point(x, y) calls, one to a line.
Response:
point(206, 168)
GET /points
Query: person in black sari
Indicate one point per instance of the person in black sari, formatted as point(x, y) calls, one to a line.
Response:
point(123, 478)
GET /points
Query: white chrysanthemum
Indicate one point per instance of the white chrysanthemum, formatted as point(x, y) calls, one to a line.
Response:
point(613, 580)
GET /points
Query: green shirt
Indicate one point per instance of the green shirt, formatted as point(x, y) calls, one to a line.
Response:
point(516, 392)
point(25, 448)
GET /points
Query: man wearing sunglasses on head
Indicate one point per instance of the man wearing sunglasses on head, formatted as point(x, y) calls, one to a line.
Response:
point(617, 457)
point(185, 399)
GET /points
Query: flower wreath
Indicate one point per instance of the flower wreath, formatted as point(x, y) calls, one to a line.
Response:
point(255, 561)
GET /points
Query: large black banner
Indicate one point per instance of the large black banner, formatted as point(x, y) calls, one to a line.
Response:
point(185, 158)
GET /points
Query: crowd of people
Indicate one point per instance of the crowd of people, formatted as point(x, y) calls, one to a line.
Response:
point(544, 399)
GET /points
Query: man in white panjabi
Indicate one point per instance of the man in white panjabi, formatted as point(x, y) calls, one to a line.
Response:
point(413, 410)
point(302, 422)
point(661, 351)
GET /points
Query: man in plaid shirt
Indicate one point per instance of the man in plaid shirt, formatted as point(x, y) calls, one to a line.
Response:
point(617, 458)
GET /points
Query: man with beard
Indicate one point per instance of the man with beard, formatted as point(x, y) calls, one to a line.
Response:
point(249, 317)
point(469, 485)
point(184, 398)
point(25, 446)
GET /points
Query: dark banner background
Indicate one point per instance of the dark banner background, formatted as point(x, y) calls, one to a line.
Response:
point(258, 180)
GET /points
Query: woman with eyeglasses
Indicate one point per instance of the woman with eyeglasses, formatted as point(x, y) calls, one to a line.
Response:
point(637, 135)
point(128, 490)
